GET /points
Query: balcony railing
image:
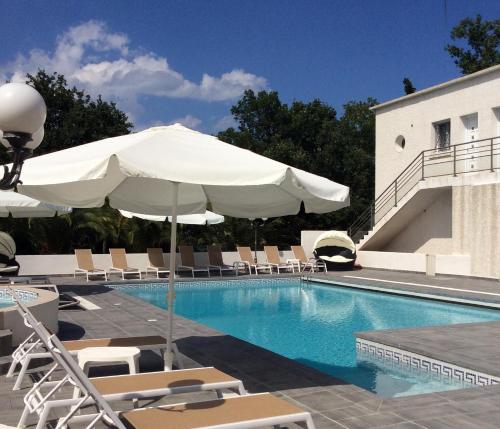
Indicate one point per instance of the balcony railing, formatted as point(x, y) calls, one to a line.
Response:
point(469, 157)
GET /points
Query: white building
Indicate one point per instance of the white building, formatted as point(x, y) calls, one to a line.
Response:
point(437, 179)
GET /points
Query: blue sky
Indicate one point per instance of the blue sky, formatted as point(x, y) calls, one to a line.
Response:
point(188, 61)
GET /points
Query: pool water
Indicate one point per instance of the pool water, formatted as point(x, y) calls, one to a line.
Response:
point(315, 324)
point(4, 304)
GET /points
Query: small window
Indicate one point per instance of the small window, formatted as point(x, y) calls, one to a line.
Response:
point(442, 135)
point(400, 143)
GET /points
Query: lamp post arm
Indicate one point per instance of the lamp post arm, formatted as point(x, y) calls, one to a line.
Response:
point(20, 153)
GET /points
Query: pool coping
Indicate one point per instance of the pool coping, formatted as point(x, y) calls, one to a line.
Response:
point(333, 406)
point(414, 342)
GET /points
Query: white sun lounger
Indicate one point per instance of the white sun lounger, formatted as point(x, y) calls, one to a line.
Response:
point(188, 263)
point(40, 398)
point(32, 348)
point(247, 259)
point(308, 263)
point(156, 262)
point(85, 264)
point(216, 260)
point(248, 411)
point(273, 259)
point(120, 264)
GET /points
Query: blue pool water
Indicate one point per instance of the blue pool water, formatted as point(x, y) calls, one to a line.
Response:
point(4, 304)
point(314, 324)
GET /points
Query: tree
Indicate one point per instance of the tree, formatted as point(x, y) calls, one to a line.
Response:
point(408, 86)
point(483, 41)
point(73, 118)
point(308, 136)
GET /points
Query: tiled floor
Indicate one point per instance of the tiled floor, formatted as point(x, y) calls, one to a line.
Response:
point(333, 403)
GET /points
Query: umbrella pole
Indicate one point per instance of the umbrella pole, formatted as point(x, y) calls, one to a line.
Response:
point(171, 279)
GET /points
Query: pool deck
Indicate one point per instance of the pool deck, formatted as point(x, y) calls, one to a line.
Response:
point(474, 345)
point(333, 403)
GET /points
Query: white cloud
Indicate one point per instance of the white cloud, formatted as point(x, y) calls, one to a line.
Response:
point(225, 122)
point(104, 63)
point(189, 121)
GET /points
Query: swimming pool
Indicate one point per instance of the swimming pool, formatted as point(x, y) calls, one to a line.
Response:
point(314, 324)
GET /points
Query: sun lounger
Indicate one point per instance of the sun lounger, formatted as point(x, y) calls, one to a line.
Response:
point(156, 262)
point(114, 388)
point(216, 261)
point(187, 261)
point(32, 348)
point(120, 265)
point(247, 411)
point(86, 264)
point(247, 259)
point(308, 263)
point(273, 259)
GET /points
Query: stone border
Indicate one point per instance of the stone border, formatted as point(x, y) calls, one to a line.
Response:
point(409, 359)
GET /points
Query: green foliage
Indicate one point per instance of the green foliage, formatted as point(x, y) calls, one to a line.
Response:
point(309, 136)
point(73, 118)
point(408, 86)
point(483, 41)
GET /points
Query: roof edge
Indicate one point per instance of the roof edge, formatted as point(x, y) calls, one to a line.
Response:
point(438, 86)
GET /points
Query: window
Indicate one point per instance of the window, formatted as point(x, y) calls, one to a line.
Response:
point(442, 133)
point(400, 143)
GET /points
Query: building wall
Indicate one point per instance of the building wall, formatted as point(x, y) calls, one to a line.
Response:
point(430, 231)
point(31, 265)
point(413, 118)
point(476, 227)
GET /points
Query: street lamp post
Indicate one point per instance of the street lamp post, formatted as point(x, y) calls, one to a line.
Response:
point(22, 115)
point(256, 224)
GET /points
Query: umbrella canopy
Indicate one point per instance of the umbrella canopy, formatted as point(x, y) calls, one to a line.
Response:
point(137, 173)
point(174, 170)
point(207, 218)
point(18, 206)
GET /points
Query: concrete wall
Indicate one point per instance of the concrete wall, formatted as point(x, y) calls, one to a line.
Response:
point(445, 264)
point(413, 118)
point(44, 308)
point(66, 264)
point(430, 231)
point(476, 225)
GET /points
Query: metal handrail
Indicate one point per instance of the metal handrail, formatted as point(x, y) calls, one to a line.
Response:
point(434, 158)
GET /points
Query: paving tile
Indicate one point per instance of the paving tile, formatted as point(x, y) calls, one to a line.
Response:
point(323, 401)
point(419, 413)
point(376, 420)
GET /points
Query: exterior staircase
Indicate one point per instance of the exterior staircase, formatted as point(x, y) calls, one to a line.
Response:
point(470, 157)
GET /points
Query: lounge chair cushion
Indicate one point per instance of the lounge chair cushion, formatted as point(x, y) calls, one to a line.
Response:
point(159, 380)
point(210, 413)
point(153, 340)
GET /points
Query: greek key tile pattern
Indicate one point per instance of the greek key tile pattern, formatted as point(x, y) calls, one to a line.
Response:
point(411, 360)
point(255, 283)
point(6, 295)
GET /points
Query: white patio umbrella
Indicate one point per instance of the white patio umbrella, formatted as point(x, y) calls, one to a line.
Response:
point(174, 170)
point(207, 218)
point(21, 206)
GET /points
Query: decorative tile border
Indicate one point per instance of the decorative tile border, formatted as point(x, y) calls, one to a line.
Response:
point(406, 359)
point(189, 284)
point(6, 295)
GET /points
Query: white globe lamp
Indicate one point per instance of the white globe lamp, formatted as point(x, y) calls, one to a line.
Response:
point(22, 115)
